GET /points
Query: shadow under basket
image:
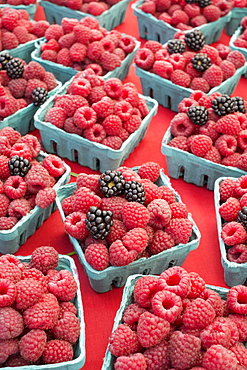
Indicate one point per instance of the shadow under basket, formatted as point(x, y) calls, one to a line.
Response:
point(194, 169)
point(102, 281)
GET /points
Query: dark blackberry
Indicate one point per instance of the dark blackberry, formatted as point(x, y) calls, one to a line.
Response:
point(19, 166)
point(176, 46)
point(15, 68)
point(242, 217)
point(201, 62)
point(98, 222)
point(223, 105)
point(191, 1)
point(195, 39)
point(204, 3)
point(239, 105)
point(39, 96)
point(112, 183)
point(134, 192)
point(198, 115)
point(4, 59)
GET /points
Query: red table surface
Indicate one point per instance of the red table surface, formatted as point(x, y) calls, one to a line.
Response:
point(100, 309)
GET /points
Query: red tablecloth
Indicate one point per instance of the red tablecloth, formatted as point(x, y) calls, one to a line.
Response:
point(100, 309)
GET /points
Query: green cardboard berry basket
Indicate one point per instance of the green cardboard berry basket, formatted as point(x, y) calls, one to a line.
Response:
point(87, 153)
point(11, 240)
point(127, 299)
point(194, 169)
point(66, 263)
point(102, 281)
point(23, 120)
point(31, 9)
point(234, 37)
point(234, 273)
point(236, 15)
point(170, 95)
point(151, 28)
point(63, 73)
point(109, 19)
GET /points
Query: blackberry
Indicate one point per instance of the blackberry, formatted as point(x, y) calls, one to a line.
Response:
point(191, 1)
point(201, 62)
point(15, 68)
point(98, 222)
point(134, 192)
point(4, 59)
point(198, 115)
point(176, 46)
point(39, 96)
point(239, 105)
point(195, 39)
point(112, 183)
point(242, 217)
point(19, 166)
point(223, 105)
point(204, 3)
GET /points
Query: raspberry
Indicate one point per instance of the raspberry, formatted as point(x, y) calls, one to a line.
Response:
point(8, 293)
point(50, 81)
point(70, 103)
point(113, 204)
point(214, 299)
point(9, 40)
point(240, 353)
point(28, 292)
point(9, 347)
point(109, 61)
point(32, 344)
point(63, 285)
point(212, 13)
point(19, 208)
point(54, 165)
point(160, 213)
point(44, 258)
point(117, 231)
point(136, 239)
point(4, 205)
point(119, 255)
point(151, 190)
point(233, 233)
point(213, 75)
point(240, 321)
point(56, 351)
point(133, 123)
point(144, 290)
point(179, 210)
point(226, 189)
point(218, 357)
point(97, 256)
point(228, 125)
point(200, 145)
point(33, 70)
point(179, 142)
point(226, 144)
point(80, 86)
point(145, 333)
point(149, 170)
point(9, 271)
point(112, 124)
point(11, 323)
point(184, 350)
point(132, 314)
point(237, 299)
point(134, 361)
point(37, 178)
point(32, 142)
point(135, 214)
point(67, 328)
point(89, 181)
point(197, 285)
point(63, 57)
point(180, 78)
point(123, 110)
point(17, 87)
point(7, 106)
point(157, 356)
point(179, 16)
point(167, 305)
point(85, 117)
point(177, 60)
point(198, 314)
point(237, 58)
point(50, 55)
point(229, 209)
point(16, 360)
point(43, 314)
point(75, 225)
point(123, 341)
point(228, 69)
point(216, 333)
point(180, 230)
point(176, 279)
point(45, 197)
point(199, 83)
point(181, 125)
point(32, 84)
point(184, 105)
point(240, 186)
point(33, 273)
point(237, 253)
point(84, 199)
point(161, 241)
point(68, 307)
point(11, 134)
point(144, 58)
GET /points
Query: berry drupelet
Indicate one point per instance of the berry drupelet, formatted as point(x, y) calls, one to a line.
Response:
point(98, 222)
point(134, 192)
point(112, 183)
point(198, 115)
point(19, 166)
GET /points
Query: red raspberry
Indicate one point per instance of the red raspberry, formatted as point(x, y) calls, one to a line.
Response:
point(146, 334)
point(200, 145)
point(8, 293)
point(233, 233)
point(85, 117)
point(198, 314)
point(114, 142)
point(113, 87)
point(32, 84)
point(132, 124)
point(226, 189)
point(70, 103)
point(44, 258)
point(11, 325)
point(11, 134)
point(50, 81)
point(67, 307)
point(228, 125)
point(237, 253)
point(213, 75)
point(228, 69)
point(168, 311)
point(132, 314)
point(37, 178)
point(63, 285)
point(199, 83)
point(184, 350)
point(9, 347)
point(89, 181)
point(67, 328)
point(7, 106)
point(153, 45)
point(226, 145)
point(32, 344)
point(4, 205)
point(218, 357)
point(229, 209)
point(181, 78)
point(161, 241)
point(33, 273)
point(45, 197)
point(179, 16)
point(180, 230)
point(97, 255)
point(54, 165)
point(179, 210)
point(144, 290)
point(135, 214)
point(50, 55)
point(240, 186)
point(56, 116)
point(80, 86)
point(216, 333)
point(160, 213)
point(113, 204)
point(134, 361)
point(78, 51)
point(19, 208)
point(17, 87)
point(9, 40)
point(17, 360)
point(112, 124)
point(241, 354)
point(185, 104)
point(135, 239)
point(237, 58)
point(32, 142)
point(144, 58)
point(123, 341)
point(211, 12)
point(212, 297)
point(9, 271)
point(28, 292)
point(95, 133)
point(63, 57)
point(181, 125)
point(151, 190)
point(240, 321)
point(149, 170)
point(120, 255)
point(123, 110)
point(157, 356)
point(176, 279)
point(197, 285)
point(33, 70)
point(237, 299)
point(109, 61)
point(56, 351)
point(179, 142)
point(192, 10)
point(84, 199)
